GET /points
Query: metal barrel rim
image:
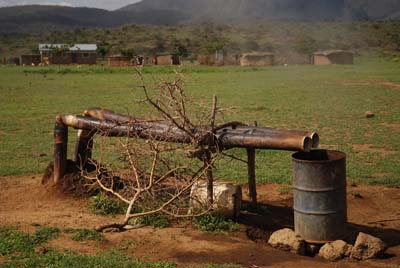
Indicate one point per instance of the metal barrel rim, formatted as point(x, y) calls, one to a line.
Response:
point(333, 155)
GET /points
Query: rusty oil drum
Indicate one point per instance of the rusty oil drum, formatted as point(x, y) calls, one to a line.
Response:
point(320, 206)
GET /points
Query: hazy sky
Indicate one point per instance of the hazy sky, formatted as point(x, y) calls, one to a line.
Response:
point(105, 4)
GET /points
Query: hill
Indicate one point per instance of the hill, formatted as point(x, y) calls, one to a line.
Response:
point(35, 18)
point(38, 18)
point(244, 10)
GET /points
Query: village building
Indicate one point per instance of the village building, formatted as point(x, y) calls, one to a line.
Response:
point(67, 54)
point(218, 59)
point(13, 61)
point(332, 57)
point(125, 61)
point(257, 59)
point(29, 60)
point(167, 59)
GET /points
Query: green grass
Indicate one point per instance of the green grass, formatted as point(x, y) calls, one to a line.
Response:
point(17, 249)
point(215, 224)
point(283, 190)
point(329, 99)
point(84, 234)
point(157, 220)
point(44, 234)
point(14, 241)
point(67, 260)
point(104, 205)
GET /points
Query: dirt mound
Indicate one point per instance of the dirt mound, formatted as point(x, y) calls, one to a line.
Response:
point(72, 183)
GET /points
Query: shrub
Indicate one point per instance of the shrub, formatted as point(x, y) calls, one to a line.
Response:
point(157, 220)
point(215, 223)
point(103, 205)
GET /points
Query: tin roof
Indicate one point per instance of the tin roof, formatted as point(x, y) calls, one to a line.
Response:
point(76, 47)
point(258, 54)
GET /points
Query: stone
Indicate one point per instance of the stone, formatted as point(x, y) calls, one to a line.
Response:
point(348, 251)
point(335, 250)
point(287, 240)
point(367, 247)
point(227, 198)
point(369, 114)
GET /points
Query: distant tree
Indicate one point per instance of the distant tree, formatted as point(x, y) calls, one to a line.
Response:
point(251, 45)
point(212, 46)
point(178, 48)
point(305, 44)
point(59, 49)
point(391, 35)
point(129, 52)
point(210, 38)
point(103, 50)
point(160, 42)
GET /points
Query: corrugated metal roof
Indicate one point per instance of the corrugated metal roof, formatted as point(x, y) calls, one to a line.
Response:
point(260, 54)
point(76, 47)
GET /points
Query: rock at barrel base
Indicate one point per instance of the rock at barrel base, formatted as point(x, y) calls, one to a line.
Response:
point(367, 247)
point(287, 240)
point(335, 250)
point(227, 198)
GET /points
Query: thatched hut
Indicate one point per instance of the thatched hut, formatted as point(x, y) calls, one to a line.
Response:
point(30, 60)
point(332, 57)
point(257, 59)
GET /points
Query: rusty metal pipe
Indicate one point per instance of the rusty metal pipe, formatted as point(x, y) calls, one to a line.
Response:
point(108, 115)
point(264, 141)
point(298, 135)
point(141, 130)
point(312, 135)
point(228, 138)
point(83, 146)
point(105, 114)
point(60, 149)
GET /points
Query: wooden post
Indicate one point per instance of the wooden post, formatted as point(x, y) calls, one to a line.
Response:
point(251, 159)
point(60, 150)
point(210, 180)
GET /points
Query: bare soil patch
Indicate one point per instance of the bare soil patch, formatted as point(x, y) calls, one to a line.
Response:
point(24, 202)
point(393, 127)
point(369, 148)
point(385, 83)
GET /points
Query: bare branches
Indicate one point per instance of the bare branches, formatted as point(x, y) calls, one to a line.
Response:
point(159, 176)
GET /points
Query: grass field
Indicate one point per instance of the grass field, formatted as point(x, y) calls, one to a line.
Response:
point(329, 99)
